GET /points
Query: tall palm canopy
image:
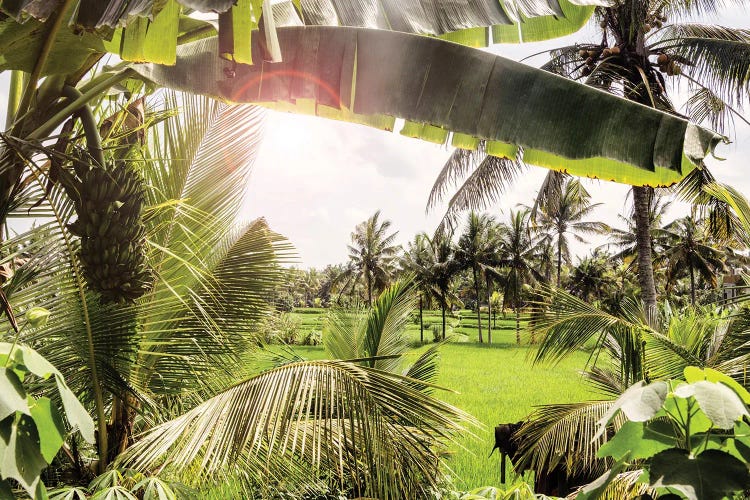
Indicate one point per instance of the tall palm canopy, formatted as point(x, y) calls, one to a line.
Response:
point(476, 251)
point(564, 215)
point(372, 254)
point(519, 250)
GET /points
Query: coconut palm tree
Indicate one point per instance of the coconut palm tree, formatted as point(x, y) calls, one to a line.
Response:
point(416, 262)
point(588, 278)
point(562, 215)
point(476, 251)
point(372, 254)
point(686, 247)
point(443, 268)
point(518, 249)
point(175, 354)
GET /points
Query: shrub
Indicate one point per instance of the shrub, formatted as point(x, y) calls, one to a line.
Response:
point(281, 328)
point(313, 337)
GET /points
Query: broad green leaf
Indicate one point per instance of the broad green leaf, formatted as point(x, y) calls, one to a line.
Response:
point(678, 408)
point(114, 493)
point(155, 489)
point(153, 40)
point(709, 476)
point(12, 394)
point(75, 412)
point(50, 427)
point(350, 71)
point(20, 458)
point(694, 374)
point(639, 403)
point(721, 404)
point(739, 445)
point(32, 360)
point(545, 27)
point(639, 440)
point(6, 493)
point(37, 316)
point(69, 493)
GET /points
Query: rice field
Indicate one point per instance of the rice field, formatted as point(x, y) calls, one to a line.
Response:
point(493, 382)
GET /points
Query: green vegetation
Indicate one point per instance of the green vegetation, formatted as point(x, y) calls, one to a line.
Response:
point(148, 299)
point(495, 383)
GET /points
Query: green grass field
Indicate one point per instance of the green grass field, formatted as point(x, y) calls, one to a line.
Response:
point(494, 383)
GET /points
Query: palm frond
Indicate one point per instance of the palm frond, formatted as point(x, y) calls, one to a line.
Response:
point(567, 323)
point(359, 422)
point(718, 57)
point(564, 434)
point(477, 177)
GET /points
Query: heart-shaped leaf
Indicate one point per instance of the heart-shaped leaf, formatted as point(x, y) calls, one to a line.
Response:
point(709, 476)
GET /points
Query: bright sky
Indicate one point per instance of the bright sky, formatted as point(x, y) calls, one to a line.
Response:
point(315, 179)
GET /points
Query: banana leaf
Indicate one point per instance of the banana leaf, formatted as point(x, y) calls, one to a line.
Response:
point(368, 76)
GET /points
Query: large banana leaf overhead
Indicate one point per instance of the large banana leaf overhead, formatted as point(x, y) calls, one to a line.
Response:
point(374, 76)
point(150, 30)
point(444, 91)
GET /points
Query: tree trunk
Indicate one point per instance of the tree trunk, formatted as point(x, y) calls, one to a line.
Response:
point(518, 313)
point(641, 197)
point(692, 284)
point(120, 429)
point(421, 323)
point(443, 308)
point(489, 311)
point(369, 289)
point(479, 313)
point(559, 258)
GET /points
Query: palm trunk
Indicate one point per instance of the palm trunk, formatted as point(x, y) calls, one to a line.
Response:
point(120, 429)
point(518, 313)
point(479, 313)
point(369, 289)
point(559, 258)
point(692, 285)
point(489, 310)
point(421, 323)
point(443, 308)
point(646, 281)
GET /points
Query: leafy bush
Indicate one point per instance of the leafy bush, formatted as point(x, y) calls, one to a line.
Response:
point(690, 438)
point(281, 328)
point(124, 485)
point(437, 333)
point(31, 428)
point(313, 337)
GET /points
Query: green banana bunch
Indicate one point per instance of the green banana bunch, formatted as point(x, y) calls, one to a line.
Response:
point(109, 202)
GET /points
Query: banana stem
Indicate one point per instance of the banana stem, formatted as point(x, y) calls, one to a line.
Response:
point(90, 130)
point(89, 92)
point(17, 83)
point(41, 60)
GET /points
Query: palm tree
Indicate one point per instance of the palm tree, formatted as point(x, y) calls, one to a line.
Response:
point(685, 246)
point(176, 354)
point(562, 215)
point(627, 347)
point(589, 278)
point(416, 262)
point(518, 249)
point(443, 267)
point(476, 251)
point(372, 254)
